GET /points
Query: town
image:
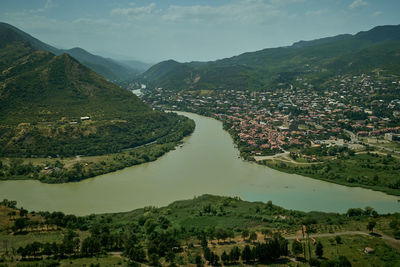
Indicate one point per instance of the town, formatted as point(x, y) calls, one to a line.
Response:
point(351, 111)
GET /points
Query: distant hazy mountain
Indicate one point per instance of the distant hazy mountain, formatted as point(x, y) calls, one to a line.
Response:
point(108, 68)
point(44, 96)
point(136, 65)
point(316, 60)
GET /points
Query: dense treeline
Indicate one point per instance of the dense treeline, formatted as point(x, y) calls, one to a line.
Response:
point(266, 252)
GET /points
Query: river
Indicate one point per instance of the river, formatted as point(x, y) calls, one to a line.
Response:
point(207, 162)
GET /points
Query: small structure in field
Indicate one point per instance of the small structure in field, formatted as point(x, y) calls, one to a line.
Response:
point(369, 250)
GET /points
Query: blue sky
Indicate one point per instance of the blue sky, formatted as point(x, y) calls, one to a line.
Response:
point(187, 30)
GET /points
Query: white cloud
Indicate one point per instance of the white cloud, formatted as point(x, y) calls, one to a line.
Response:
point(247, 11)
point(318, 12)
point(88, 21)
point(284, 2)
point(135, 11)
point(377, 13)
point(49, 4)
point(357, 4)
point(236, 11)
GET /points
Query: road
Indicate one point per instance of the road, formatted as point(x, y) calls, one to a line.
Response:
point(353, 137)
point(355, 140)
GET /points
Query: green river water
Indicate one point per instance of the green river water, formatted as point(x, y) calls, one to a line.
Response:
point(207, 162)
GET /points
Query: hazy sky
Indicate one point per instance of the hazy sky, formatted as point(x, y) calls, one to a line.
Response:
point(187, 30)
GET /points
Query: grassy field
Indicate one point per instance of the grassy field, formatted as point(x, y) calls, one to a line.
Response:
point(371, 170)
point(351, 246)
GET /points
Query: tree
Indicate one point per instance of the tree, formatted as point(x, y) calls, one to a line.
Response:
point(338, 239)
point(164, 222)
point(297, 248)
point(253, 236)
point(266, 232)
point(234, 254)
point(371, 225)
point(245, 233)
point(207, 253)
point(214, 259)
point(150, 225)
point(23, 212)
point(161, 242)
point(23, 252)
point(204, 242)
point(90, 246)
point(134, 250)
point(170, 257)
point(319, 249)
point(368, 210)
point(47, 249)
point(352, 212)
point(221, 234)
point(247, 254)
point(199, 261)
point(19, 224)
point(225, 257)
point(394, 224)
point(34, 248)
point(71, 242)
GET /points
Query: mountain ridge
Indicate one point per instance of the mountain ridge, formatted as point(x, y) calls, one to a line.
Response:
point(273, 66)
point(109, 68)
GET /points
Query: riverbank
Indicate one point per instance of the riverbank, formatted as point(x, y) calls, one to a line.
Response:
point(284, 167)
point(55, 170)
point(207, 162)
point(63, 170)
point(375, 171)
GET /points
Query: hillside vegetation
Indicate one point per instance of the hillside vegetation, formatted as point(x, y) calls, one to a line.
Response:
point(206, 230)
point(314, 60)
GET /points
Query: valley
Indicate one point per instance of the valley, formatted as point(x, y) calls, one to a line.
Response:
point(282, 156)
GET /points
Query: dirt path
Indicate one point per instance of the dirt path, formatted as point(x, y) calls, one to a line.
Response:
point(117, 254)
point(284, 157)
point(259, 158)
